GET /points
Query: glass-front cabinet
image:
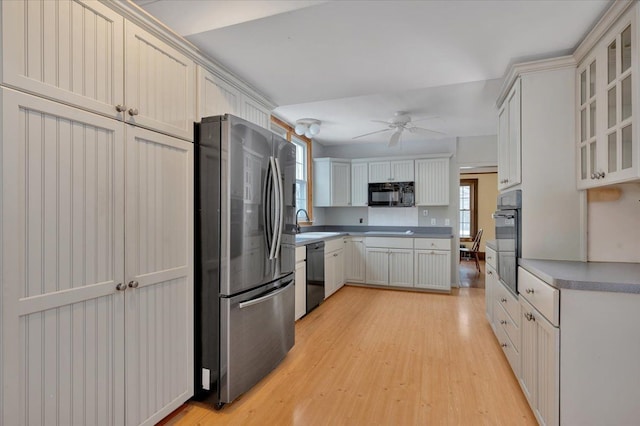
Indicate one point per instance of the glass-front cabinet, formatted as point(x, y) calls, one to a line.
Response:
point(607, 146)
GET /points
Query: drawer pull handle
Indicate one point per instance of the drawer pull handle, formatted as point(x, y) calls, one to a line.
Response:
point(529, 291)
point(529, 316)
point(503, 300)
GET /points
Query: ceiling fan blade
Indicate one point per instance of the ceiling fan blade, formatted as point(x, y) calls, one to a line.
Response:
point(395, 138)
point(430, 117)
point(388, 123)
point(423, 131)
point(371, 133)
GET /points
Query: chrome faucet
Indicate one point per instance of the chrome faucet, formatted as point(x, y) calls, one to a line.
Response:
point(305, 214)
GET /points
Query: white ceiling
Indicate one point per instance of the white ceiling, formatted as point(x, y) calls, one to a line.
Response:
point(349, 62)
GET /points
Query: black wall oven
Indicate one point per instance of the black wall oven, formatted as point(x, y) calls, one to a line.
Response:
point(392, 194)
point(508, 235)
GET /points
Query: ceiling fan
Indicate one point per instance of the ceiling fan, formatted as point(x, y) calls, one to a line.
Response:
point(400, 122)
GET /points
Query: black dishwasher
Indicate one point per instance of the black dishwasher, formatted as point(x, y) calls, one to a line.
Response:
point(315, 275)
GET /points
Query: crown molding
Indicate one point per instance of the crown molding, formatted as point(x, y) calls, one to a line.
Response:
point(516, 70)
point(617, 9)
point(142, 18)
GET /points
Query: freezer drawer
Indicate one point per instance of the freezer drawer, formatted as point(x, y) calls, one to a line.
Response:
point(258, 331)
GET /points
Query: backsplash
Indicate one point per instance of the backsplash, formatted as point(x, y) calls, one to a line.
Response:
point(614, 224)
point(396, 216)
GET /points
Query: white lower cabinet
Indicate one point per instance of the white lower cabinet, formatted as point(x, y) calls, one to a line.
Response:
point(401, 267)
point(333, 266)
point(377, 270)
point(97, 280)
point(490, 283)
point(433, 269)
point(354, 259)
point(301, 282)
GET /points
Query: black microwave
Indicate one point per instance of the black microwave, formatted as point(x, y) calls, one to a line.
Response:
point(391, 194)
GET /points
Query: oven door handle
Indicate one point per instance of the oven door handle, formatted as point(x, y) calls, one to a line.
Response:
point(497, 215)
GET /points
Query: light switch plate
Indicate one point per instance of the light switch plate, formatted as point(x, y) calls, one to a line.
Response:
point(425, 212)
point(433, 221)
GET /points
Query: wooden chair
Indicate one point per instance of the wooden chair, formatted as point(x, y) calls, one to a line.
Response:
point(472, 252)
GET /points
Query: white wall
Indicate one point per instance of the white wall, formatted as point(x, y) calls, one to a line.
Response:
point(614, 226)
point(367, 150)
point(478, 151)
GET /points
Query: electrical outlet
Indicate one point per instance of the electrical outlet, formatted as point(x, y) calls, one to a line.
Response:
point(361, 220)
point(425, 212)
point(433, 221)
point(447, 222)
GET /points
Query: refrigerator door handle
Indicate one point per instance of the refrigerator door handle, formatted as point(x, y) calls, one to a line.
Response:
point(273, 253)
point(280, 207)
point(260, 299)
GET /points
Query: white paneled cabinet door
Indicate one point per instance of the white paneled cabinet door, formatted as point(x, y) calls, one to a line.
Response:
point(377, 270)
point(339, 269)
point(216, 97)
point(402, 171)
point(513, 103)
point(329, 274)
point(401, 268)
point(548, 363)
point(503, 146)
point(254, 112)
point(301, 289)
point(433, 269)
point(159, 84)
point(354, 260)
point(359, 184)
point(528, 344)
point(432, 182)
point(340, 184)
point(65, 50)
point(62, 208)
point(379, 171)
point(158, 271)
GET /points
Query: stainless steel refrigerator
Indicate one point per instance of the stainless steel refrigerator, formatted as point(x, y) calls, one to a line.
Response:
point(245, 255)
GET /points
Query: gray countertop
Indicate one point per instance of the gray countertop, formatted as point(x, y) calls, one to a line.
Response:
point(591, 276)
point(377, 231)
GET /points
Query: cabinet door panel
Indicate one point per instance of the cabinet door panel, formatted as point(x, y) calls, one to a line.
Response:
point(159, 257)
point(255, 113)
point(547, 354)
point(354, 261)
point(401, 268)
point(216, 97)
point(159, 84)
point(377, 266)
point(359, 184)
point(432, 182)
point(379, 171)
point(67, 50)
point(433, 269)
point(503, 146)
point(301, 289)
point(402, 171)
point(62, 258)
point(340, 187)
point(528, 344)
point(513, 103)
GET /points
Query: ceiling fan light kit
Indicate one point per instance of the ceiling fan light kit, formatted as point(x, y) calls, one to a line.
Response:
point(308, 127)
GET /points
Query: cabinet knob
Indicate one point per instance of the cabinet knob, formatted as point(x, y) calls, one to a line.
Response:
point(121, 287)
point(489, 272)
point(529, 316)
point(529, 291)
point(133, 111)
point(121, 108)
point(503, 300)
point(133, 284)
point(503, 322)
point(504, 345)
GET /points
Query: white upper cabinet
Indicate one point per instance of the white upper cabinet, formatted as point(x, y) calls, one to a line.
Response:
point(432, 182)
point(87, 55)
point(509, 139)
point(65, 50)
point(159, 84)
point(391, 171)
point(606, 97)
point(331, 182)
point(215, 96)
point(254, 112)
point(359, 184)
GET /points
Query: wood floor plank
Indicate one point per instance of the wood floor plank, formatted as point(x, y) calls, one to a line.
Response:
point(384, 357)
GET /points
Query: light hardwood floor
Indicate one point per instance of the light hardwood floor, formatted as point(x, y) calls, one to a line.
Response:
point(384, 357)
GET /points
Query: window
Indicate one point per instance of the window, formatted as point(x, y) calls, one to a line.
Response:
point(468, 208)
point(303, 164)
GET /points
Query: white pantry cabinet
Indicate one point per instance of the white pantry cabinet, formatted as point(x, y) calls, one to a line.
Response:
point(97, 277)
point(359, 183)
point(391, 171)
point(301, 282)
point(331, 182)
point(432, 182)
point(607, 94)
point(509, 139)
point(84, 54)
point(355, 259)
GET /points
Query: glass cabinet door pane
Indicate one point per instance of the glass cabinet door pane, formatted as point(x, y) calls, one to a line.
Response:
point(611, 62)
point(592, 157)
point(625, 51)
point(611, 107)
point(583, 162)
point(626, 98)
point(583, 87)
point(612, 153)
point(592, 79)
point(592, 119)
point(627, 154)
point(583, 125)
